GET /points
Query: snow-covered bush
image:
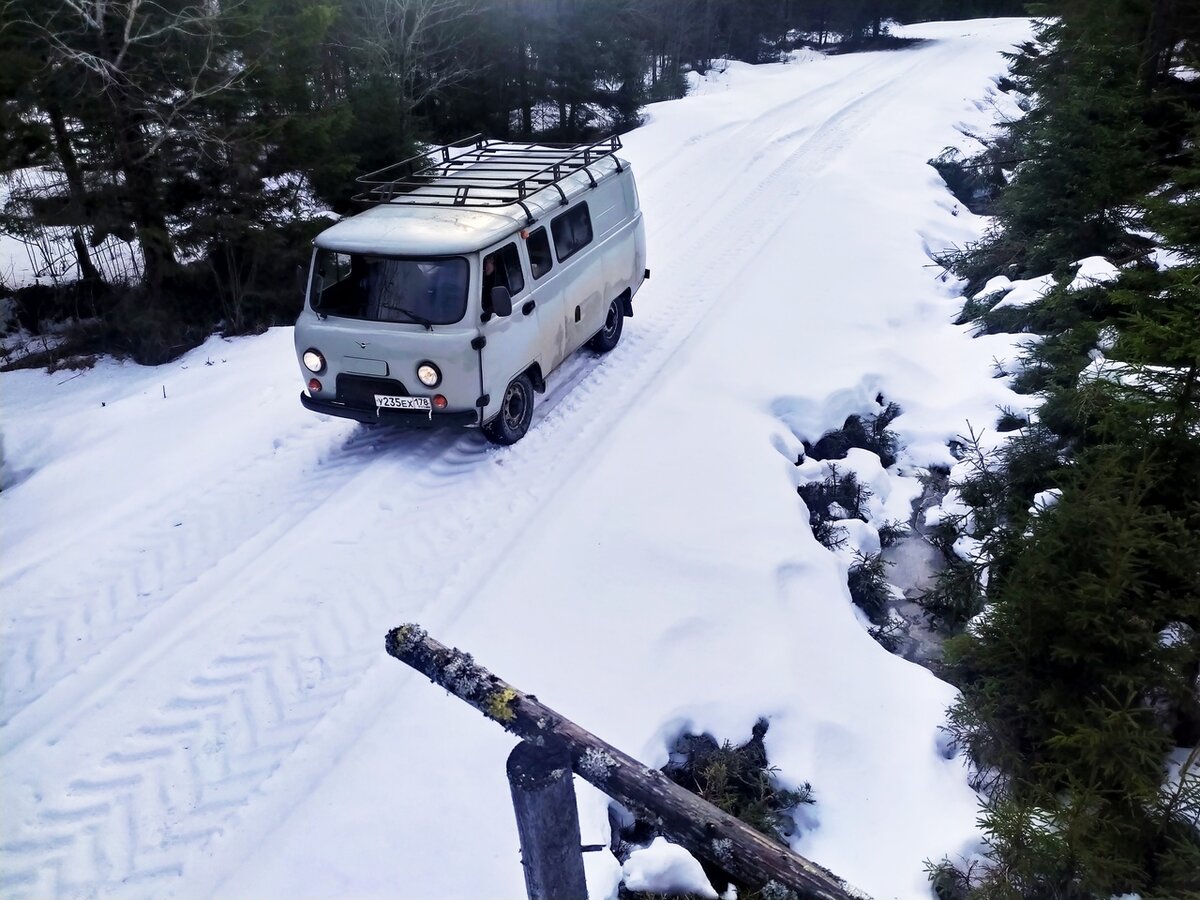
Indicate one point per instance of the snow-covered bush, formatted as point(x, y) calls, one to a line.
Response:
point(838, 496)
point(869, 587)
point(738, 780)
point(866, 432)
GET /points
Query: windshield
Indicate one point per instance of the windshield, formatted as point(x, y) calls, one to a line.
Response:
point(382, 289)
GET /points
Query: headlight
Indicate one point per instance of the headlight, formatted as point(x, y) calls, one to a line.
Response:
point(429, 374)
point(313, 361)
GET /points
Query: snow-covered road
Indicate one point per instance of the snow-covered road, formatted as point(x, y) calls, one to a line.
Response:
point(197, 574)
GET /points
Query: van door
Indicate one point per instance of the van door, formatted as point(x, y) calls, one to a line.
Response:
point(585, 303)
point(512, 342)
point(548, 283)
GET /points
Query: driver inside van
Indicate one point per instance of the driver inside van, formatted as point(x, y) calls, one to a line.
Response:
point(495, 274)
point(490, 278)
point(502, 269)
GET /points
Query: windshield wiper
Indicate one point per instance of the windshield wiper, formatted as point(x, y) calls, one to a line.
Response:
point(420, 320)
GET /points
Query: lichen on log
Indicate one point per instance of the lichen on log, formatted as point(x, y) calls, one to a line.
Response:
point(683, 817)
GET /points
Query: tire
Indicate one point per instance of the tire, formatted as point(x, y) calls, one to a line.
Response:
point(610, 335)
point(516, 412)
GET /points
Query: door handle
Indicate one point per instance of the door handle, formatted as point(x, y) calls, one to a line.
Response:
point(528, 307)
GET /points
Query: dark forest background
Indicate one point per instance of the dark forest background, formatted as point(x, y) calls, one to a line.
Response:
point(182, 143)
point(1075, 639)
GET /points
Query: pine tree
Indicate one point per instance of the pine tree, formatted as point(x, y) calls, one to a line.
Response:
point(1084, 151)
point(1067, 677)
point(1080, 677)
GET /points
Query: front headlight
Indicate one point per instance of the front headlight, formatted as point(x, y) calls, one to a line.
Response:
point(429, 374)
point(314, 361)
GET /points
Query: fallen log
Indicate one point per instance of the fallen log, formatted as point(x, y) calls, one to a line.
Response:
point(749, 857)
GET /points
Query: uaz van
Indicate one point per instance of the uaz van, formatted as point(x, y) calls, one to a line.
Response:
point(480, 267)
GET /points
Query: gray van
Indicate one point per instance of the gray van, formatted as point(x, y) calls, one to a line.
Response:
point(480, 266)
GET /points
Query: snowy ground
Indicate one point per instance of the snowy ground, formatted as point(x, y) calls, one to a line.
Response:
point(197, 574)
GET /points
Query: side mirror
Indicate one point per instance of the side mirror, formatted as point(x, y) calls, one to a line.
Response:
point(501, 301)
point(300, 273)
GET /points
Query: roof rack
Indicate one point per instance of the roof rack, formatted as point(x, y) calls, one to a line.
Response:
point(480, 173)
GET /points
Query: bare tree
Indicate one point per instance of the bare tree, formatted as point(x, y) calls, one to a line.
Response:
point(117, 43)
point(131, 72)
point(413, 44)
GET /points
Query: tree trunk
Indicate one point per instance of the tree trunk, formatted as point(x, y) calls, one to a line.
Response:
point(523, 90)
point(1157, 44)
point(77, 199)
point(142, 191)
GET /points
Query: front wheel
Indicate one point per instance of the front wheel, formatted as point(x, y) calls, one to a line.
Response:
point(516, 412)
point(608, 336)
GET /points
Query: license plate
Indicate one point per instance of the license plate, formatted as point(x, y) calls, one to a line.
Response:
point(422, 404)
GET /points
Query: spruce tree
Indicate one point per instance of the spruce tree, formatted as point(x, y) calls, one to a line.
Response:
point(1068, 680)
point(1079, 680)
point(1083, 153)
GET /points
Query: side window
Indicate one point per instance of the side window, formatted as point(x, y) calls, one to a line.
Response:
point(572, 232)
point(538, 246)
point(512, 268)
point(329, 287)
point(331, 268)
point(503, 267)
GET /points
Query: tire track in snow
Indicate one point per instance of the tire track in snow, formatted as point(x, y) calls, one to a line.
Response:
point(77, 611)
point(135, 802)
point(62, 625)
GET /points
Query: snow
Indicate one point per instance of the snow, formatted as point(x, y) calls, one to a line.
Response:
point(51, 259)
point(804, 55)
point(1044, 500)
point(198, 574)
point(666, 868)
point(300, 202)
point(1093, 271)
point(970, 550)
point(1027, 291)
point(1000, 284)
point(48, 257)
point(1165, 259)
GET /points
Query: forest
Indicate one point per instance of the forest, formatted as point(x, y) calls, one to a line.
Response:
point(167, 161)
point(1075, 633)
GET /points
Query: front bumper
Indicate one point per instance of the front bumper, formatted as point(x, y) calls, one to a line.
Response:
point(399, 417)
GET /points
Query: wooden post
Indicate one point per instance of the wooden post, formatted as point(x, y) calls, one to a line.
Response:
point(543, 793)
point(748, 856)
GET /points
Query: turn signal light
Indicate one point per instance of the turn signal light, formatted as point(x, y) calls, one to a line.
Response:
point(439, 401)
point(314, 386)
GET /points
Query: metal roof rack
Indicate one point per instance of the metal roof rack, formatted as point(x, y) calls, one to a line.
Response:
point(480, 173)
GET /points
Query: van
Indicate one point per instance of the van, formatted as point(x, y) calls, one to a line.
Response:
point(480, 266)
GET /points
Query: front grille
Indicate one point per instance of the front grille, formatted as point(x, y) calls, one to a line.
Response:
point(360, 390)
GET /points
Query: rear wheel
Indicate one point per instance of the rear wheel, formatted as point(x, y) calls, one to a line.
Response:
point(608, 336)
point(516, 412)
